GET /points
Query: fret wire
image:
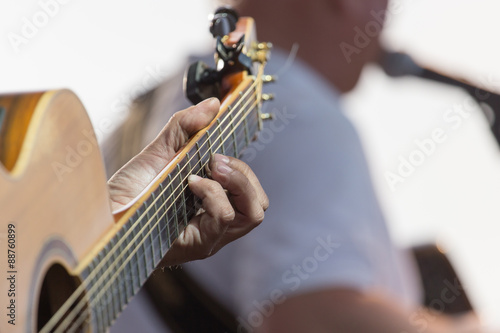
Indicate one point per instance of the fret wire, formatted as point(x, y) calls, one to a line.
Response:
point(166, 224)
point(145, 239)
point(109, 299)
point(84, 276)
point(220, 135)
point(174, 207)
point(120, 234)
point(209, 142)
point(190, 172)
point(194, 167)
point(150, 223)
point(103, 306)
point(107, 302)
point(154, 221)
point(172, 227)
point(101, 277)
point(99, 314)
point(102, 315)
point(120, 261)
point(116, 300)
point(183, 200)
point(235, 153)
point(229, 117)
point(199, 157)
point(241, 140)
point(247, 139)
point(133, 271)
point(253, 130)
point(141, 259)
point(156, 258)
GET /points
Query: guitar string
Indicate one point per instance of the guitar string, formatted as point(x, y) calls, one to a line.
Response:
point(97, 297)
point(217, 127)
point(79, 290)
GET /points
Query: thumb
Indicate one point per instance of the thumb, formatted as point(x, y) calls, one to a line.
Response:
point(185, 123)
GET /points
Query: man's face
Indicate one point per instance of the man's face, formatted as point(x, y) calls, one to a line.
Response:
point(322, 29)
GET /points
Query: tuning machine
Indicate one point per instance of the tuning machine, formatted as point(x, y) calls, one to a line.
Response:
point(201, 81)
point(267, 97)
point(259, 52)
point(269, 78)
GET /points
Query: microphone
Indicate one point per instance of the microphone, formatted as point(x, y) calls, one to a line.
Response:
point(397, 64)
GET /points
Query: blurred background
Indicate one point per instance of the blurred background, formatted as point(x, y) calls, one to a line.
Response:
point(110, 51)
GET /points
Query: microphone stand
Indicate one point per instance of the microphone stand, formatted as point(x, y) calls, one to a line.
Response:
point(399, 64)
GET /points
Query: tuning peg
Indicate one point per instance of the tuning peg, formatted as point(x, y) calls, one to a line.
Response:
point(265, 46)
point(223, 21)
point(260, 52)
point(267, 116)
point(259, 56)
point(269, 78)
point(267, 97)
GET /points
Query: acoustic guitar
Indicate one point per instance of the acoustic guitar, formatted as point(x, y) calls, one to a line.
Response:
point(70, 264)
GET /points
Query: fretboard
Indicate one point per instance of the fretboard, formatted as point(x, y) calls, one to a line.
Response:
point(120, 269)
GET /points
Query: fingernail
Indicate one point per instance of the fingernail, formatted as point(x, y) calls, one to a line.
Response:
point(194, 178)
point(221, 158)
point(208, 101)
point(223, 168)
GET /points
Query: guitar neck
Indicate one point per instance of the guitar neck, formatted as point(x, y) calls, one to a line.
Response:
point(115, 273)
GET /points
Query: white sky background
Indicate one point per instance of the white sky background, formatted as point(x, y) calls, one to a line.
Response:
point(107, 50)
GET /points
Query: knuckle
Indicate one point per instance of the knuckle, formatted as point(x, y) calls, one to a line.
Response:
point(212, 188)
point(238, 164)
point(227, 214)
point(245, 168)
point(259, 217)
point(245, 183)
point(175, 117)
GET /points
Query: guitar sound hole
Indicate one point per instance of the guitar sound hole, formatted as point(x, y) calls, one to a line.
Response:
point(57, 287)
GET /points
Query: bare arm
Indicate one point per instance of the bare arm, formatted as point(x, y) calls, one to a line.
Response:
point(349, 311)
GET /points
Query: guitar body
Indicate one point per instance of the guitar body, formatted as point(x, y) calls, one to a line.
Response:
point(53, 196)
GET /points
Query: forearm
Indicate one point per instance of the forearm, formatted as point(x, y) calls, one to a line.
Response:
point(348, 311)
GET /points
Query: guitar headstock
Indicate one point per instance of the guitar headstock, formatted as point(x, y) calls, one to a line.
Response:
point(238, 55)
